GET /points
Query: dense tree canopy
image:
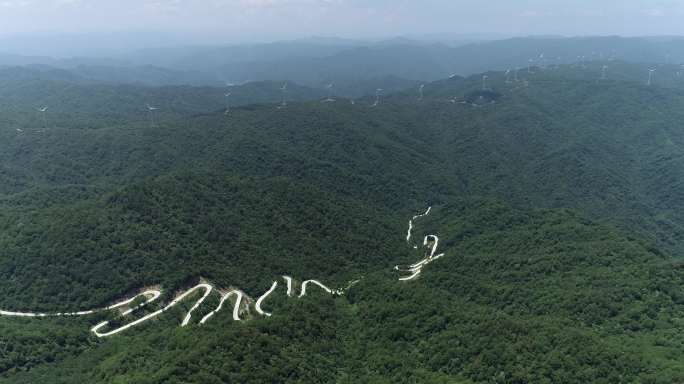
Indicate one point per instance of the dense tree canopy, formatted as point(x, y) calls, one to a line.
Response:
point(555, 202)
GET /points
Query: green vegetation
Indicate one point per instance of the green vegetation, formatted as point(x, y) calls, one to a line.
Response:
point(74, 102)
point(176, 229)
point(556, 205)
point(519, 297)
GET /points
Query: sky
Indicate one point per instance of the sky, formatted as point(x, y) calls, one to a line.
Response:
point(233, 21)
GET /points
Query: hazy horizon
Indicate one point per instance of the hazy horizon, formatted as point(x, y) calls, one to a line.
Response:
point(82, 26)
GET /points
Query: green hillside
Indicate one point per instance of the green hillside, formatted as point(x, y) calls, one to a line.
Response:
point(77, 102)
point(607, 148)
point(540, 296)
point(554, 199)
point(169, 231)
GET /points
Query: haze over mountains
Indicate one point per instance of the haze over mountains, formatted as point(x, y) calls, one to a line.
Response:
point(318, 62)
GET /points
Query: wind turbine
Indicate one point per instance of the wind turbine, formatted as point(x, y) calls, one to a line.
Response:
point(508, 76)
point(227, 95)
point(484, 82)
point(283, 90)
point(151, 110)
point(420, 92)
point(650, 77)
point(604, 73)
point(377, 97)
point(43, 111)
point(330, 99)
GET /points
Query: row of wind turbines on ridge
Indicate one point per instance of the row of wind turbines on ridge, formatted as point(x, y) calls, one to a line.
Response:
point(378, 93)
point(510, 76)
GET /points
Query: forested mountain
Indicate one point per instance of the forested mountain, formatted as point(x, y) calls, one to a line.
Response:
point(212, 57)
point(319, 64)
point(74, 101)
point(351, 64)
point(553, 193)
point(534, 128)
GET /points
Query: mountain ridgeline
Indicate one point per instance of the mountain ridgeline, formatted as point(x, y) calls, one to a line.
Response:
point(351, 65)
point(554, 193)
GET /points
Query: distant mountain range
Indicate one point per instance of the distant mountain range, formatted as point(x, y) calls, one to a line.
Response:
point(349, 64)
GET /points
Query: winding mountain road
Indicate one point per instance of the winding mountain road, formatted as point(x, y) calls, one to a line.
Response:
point(262, 298)
point(236, 307)
point(242, 301)
point(302, 293)
point(153, 294)
point(429, 241)
point(410, 228)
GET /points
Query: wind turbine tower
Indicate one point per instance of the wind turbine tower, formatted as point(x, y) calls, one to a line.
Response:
point(330, 98)
point(377, 97)
point(283, 90)
point(150, 110)
point(228, 102)
point(650, 77)
point(43, 112)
